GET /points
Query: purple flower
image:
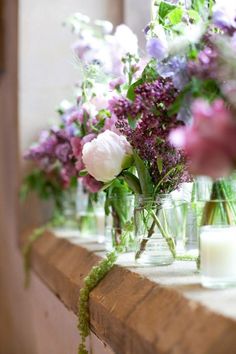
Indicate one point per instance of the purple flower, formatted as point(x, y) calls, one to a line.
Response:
point(152, 126)
point(156, 48)
point(63, 151)
point(224, 16)
point(91, 184)
point(175, 68)
point(66, 116)
point(116, 83)
point(209, 142)
point(206, 65)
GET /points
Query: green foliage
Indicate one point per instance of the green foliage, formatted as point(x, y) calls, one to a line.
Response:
point(194, 15)
point(164, 9)
point(207, 89)
point(149, 73)
point(198, 5)
point(132, 181)
point(26, 251)
point(130, 92)
point(96, 274)
point(83, 173)
point(144, 176)
point(94, 277)
point(116, 202)
point(44, 186)
point(175, 16)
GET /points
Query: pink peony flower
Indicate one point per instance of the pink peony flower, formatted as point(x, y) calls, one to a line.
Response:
point(210, 142)
point(106, 156)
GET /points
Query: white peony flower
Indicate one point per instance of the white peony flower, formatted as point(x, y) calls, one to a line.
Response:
point(106, 156)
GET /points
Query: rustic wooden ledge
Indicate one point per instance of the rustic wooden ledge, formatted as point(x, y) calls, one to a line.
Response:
point(139, 311)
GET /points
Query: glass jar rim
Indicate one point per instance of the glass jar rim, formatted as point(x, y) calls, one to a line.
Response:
point(217, 226)
point(128, 195)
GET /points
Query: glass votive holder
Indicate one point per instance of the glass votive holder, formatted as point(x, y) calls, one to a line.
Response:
point(218, 256)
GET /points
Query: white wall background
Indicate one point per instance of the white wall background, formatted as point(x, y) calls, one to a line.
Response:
point(137, 15)
point(46, 71)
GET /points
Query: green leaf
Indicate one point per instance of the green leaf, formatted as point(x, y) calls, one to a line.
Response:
point(160, 165)
point(131, 93)
point(164, 9)
point(132, 181)
point(127, 162)
point(178, 103)
point(198, 5)
point(144, 176)
point(150, 71)
point(194, 15)
point(73, 182)
point(175, 16)
point(132, 122)
point(83, 173)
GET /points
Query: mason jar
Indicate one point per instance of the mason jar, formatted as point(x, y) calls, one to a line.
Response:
point(155, 230)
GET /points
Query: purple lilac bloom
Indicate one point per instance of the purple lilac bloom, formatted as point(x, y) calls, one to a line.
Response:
point(65, 117)
point(206, 65)
point(56, 148)
point(150, 136)
point(156, 48)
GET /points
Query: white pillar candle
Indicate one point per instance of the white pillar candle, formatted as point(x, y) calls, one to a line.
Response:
point(218, 254)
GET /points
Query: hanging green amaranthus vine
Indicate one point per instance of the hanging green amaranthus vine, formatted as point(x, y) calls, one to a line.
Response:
point(26, 251)
point(94, 277)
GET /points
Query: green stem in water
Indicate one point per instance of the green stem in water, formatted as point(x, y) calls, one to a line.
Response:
point(170, 241)
point(218, 200)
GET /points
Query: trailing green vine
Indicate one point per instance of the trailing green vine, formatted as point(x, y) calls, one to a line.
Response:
point(26, 251)
point(94, 277)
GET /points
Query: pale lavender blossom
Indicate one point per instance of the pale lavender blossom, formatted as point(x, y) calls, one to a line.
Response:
point(176, 69)
point(156, 48)
point(224, 15)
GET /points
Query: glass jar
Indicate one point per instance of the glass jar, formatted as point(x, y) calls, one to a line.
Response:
point(216, 229)
point(155, 230)
point(91, 215)
point(65, 221)
point(119, 222)
point(189, 197)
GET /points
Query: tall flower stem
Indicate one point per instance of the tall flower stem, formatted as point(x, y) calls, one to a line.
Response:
point(219, 201)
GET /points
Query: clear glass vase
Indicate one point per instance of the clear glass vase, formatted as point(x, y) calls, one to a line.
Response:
point(119, 222)
point(90, 214)
point(65, 221)
point(216, 232)
point(155, 230)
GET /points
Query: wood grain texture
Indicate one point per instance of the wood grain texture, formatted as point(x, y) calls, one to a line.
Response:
point(16, 332)
point(2, 35)
point(129, 312)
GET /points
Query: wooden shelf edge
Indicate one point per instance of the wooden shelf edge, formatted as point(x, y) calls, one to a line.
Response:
point(129, 312)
